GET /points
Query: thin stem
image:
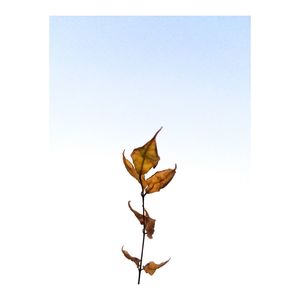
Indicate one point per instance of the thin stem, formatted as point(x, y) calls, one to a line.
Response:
point(144, 233)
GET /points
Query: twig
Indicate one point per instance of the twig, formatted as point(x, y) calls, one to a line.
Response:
point(144, 233)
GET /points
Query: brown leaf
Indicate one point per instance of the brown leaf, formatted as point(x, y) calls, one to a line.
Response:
point(149, 222)
point(132, 171)
point(146, 157)
point(151, 266)
point(130, 168)
point(134, 259)
point(137, 214)
point(159, 180)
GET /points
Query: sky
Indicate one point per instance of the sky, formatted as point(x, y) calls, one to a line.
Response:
point(114, 81)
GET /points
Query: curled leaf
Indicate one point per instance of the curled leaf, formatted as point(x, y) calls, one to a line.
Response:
point(159, 180)
point(130, 168)
point(132, 171)
point(134, 259)
point(151, 266)
point(149, 222)
point(137, 214)
point(146, 157)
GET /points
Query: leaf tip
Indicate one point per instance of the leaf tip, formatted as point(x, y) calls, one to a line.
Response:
point(123, 156)
point(157, 132)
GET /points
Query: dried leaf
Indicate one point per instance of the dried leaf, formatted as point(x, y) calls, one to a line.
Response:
point(132, 171)
point(151, 266)
point(130, 168)
point(159, 180)
point(146, 157)
point(149, 222)
point(134, 259)
point(137, 214)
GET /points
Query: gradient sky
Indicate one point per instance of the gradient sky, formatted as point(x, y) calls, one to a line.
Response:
point(114, 81)
point(118, 79)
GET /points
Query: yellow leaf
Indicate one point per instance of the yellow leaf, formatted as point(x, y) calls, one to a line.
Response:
point(159, 180)
point(151, 267)
point(134, 259)
point(146, 157)
point(130, 168)
point(132, 171)
point(149, 222)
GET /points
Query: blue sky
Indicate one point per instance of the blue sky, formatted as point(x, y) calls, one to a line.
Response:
point(114, 80)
